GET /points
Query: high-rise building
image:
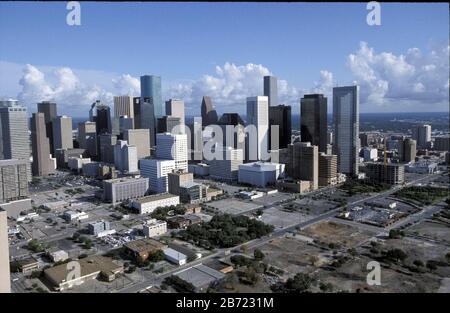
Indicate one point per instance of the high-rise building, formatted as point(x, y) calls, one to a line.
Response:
point(313, 120)
point(308, 163)
point(140, 139)
point(209, 114)
point(42, 164)
point(156, 171)
point(167, 124)
point(173, 147)
point(151, 88)
point(137, 112)
point(5, 280)
point(125, 157)
point(422, 134)
point(327, 169)
point(442, 143)
point(106, 143)
point(407, 150)
point(13, 180)
point(123, 106)
point(258, 115)
point(101, 115)
point(62, 132)
point(126, 123)
point(196, 141)
point(233, 130)
point(271, 89)
point(175, 107)
point(392, 174)
point(87, 137)
point(178, 178)
point(50, 113)
point(280, 115)
point(346, 128)
point(121, 189)
point(14, 136)
point(227, 167)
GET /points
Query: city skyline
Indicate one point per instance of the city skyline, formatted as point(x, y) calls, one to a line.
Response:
point(395, 76)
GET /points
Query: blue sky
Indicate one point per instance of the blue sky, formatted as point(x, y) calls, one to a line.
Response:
point(182, 42)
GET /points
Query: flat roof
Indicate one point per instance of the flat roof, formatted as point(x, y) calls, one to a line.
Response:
point(200, 275)
point(151, 198)
point(145, 245)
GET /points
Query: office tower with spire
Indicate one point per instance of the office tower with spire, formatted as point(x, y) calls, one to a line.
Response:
point(346, 128)
point(209, 114)
point(14, 136)
point(313, 120)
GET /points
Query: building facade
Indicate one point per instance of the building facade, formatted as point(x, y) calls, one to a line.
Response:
point(257, 144)
point(313, 120)
point(42, 164)
point(156, 171)
point(121, 189)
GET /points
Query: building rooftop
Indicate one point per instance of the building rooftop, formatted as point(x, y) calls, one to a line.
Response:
point(151, 198)
point(145, 245)
point(200, 275)
point(259, 166)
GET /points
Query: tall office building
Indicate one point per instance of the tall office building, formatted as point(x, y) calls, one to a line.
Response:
point(209, 114)
point(156, 171)
point(173, 147)
point(87, 137)
point(62, 132)
point(123, 106)
point(13, 180)
point(442, 143)
point(271, 89)
point(280, 115)
point(140, 139)
point(407, 150)
point(308, 163)
point(106, 143)
point(258, 115)
point(42, 164)
point(178, 178)
point(227, 167)
point(175, 107)
point(14, 136)
point(346, 128)
point(101, 115)
point(167, 124)
point(5, 280)
point(313, 120)
point(126, 123)
point(233, 130)
point(151, 88)
point(50, 113)
point(422, 134)
point(327, 169)
point(125, 157)
point(196, 141)
point(137, 112)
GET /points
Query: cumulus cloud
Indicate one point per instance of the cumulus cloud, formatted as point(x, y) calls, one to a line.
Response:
point(127, 85)
point(413, 77)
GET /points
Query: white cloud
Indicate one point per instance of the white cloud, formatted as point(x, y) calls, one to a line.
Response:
point(127, 85)
point(410, 79)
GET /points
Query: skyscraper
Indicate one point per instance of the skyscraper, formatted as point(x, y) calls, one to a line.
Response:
point(137, 112)
point(13, 180)
point(50, 113)
point(280, 115)
point(232, 136)
point(151, 88)
point(42, 164)
point(101, 115)
point(14, 137)
point(123, 106)
point(87, 137)
point(156, 171)
point(313, 120)
point(62, 132)
point(407, 150)
point(138, 138)
point(175, 107)
point(271, 89)
point(209, 114)
point(422, 134)
point(125, 157)
point(5, 281)
point(258, 115)
point(173, 147)
point(327, 169)
point(106, 143)
point(346, 128)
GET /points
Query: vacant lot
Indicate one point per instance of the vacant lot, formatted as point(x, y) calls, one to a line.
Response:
point(330, 232)
point(424, 195)
point(430, 229)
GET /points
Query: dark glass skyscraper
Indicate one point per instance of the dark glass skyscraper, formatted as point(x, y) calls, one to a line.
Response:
point(50, 113)
point(151, 106)
point(313, 120)
point(209, 114)
point(280, 115)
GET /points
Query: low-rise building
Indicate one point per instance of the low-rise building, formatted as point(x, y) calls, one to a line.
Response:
point(58, 256)
point(154, 228)
point(260, 174)
point(183, 221)
point(141, 249)
point(91, 267)
point(174, 256)
point(75, 215)
point(98, 227)
point(148, 204)
point(422, 167)
point(76, 163)
point(199, 169)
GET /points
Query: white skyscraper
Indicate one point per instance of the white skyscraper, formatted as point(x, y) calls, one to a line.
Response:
point(156, 171)
point(173, 147)
point(346, 128)
point(125, 157)
point(422, 134)
point(258, 115)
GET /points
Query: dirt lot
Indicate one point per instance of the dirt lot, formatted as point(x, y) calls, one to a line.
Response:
point(430, 229)
point(346, 236)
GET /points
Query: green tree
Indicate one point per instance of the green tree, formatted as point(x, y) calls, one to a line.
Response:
point(258, 255)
